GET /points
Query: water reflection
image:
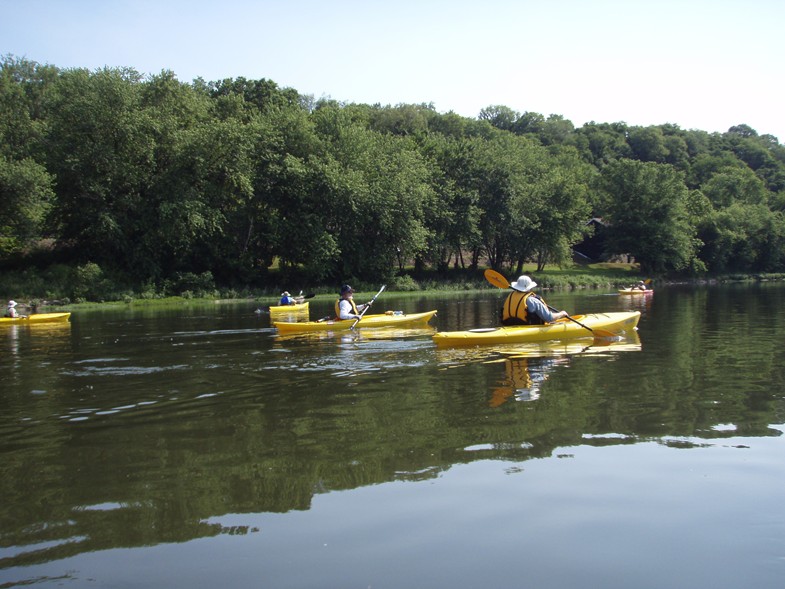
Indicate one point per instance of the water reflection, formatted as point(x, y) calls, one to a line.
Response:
point(636, 302)
point(359, 335)
point(528, 366)
point(142, 432)
point(523, 378)
point(12, 339)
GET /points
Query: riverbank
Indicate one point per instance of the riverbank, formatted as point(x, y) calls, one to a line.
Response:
point(596, 276)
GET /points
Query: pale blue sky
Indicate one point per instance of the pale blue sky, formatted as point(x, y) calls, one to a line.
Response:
point(699, 64)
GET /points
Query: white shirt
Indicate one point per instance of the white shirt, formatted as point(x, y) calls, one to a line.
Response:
point(346, 311)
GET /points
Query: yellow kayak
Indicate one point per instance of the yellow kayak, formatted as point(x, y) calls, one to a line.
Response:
point(607, 323)
point(278, 310)
point(368, 321)
point(36, 318)
point(635, 291)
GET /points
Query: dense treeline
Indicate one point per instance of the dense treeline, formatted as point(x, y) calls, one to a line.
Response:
point(121, 180)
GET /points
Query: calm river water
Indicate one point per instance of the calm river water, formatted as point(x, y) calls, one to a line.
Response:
point(192, 447)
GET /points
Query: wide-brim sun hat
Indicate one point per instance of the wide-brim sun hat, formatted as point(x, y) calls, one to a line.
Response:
point(12, 303)
point(285, 294)
point(523, 284)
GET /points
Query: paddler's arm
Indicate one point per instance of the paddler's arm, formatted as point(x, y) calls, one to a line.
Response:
point(537, 306)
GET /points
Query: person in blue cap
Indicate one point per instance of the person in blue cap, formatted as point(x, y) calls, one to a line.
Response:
point(345, 307)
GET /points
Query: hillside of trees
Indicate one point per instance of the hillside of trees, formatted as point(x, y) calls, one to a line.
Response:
point(112, 178)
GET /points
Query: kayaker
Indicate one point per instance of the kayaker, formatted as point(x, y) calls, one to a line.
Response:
point(345, 308)
point(639, 286)
point(523, 307)
point(11, 310)
point(287, 299)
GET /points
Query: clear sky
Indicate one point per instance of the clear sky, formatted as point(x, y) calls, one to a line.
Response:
point(698, 64)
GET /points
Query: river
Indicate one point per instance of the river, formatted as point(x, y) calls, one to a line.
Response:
point(194, 447)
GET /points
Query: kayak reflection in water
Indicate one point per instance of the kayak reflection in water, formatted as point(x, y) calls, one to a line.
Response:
point(523, 379)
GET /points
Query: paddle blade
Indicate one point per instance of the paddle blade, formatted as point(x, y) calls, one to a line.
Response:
point(604, 334)
point(496, 279)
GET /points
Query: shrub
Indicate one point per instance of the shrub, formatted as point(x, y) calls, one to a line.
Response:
point(404, 283)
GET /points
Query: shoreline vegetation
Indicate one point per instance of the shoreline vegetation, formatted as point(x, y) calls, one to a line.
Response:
point(577, 277)
point(124, 187)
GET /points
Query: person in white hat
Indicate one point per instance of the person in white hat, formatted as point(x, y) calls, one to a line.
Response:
point(523, 307)
point(11, 311)
point(288, 299)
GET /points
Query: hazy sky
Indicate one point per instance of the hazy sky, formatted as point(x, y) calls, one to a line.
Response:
point(699, 64)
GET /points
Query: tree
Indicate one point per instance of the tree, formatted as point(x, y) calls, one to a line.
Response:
point(258, 94)
point(606, 142)
point(531, 123)
point(647, 144)
point(294, 203)
point(24, 86)
point(404, 119)
point(743, 238)
point(381, 187)
point(101, 150)
point(498, 173)
point(645, 208)
point(453, 218)
point(732, 185)
point(25, 197)
point(501, 117)
point(557, 200)
point(556, 130)
point(202, 200)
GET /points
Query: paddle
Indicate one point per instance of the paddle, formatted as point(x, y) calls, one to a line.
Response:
point(500, 281)
point(368, 306)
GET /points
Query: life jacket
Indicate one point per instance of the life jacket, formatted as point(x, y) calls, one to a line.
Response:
point(514, 311)
point(338, 308)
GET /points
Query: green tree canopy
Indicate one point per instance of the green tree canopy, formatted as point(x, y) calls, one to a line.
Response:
point(645, 206)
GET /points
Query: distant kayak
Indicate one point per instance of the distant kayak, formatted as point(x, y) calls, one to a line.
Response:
point(36, 318)
point(558, 330)
point(368, 321)
point(277, 310)
point(635, 291)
